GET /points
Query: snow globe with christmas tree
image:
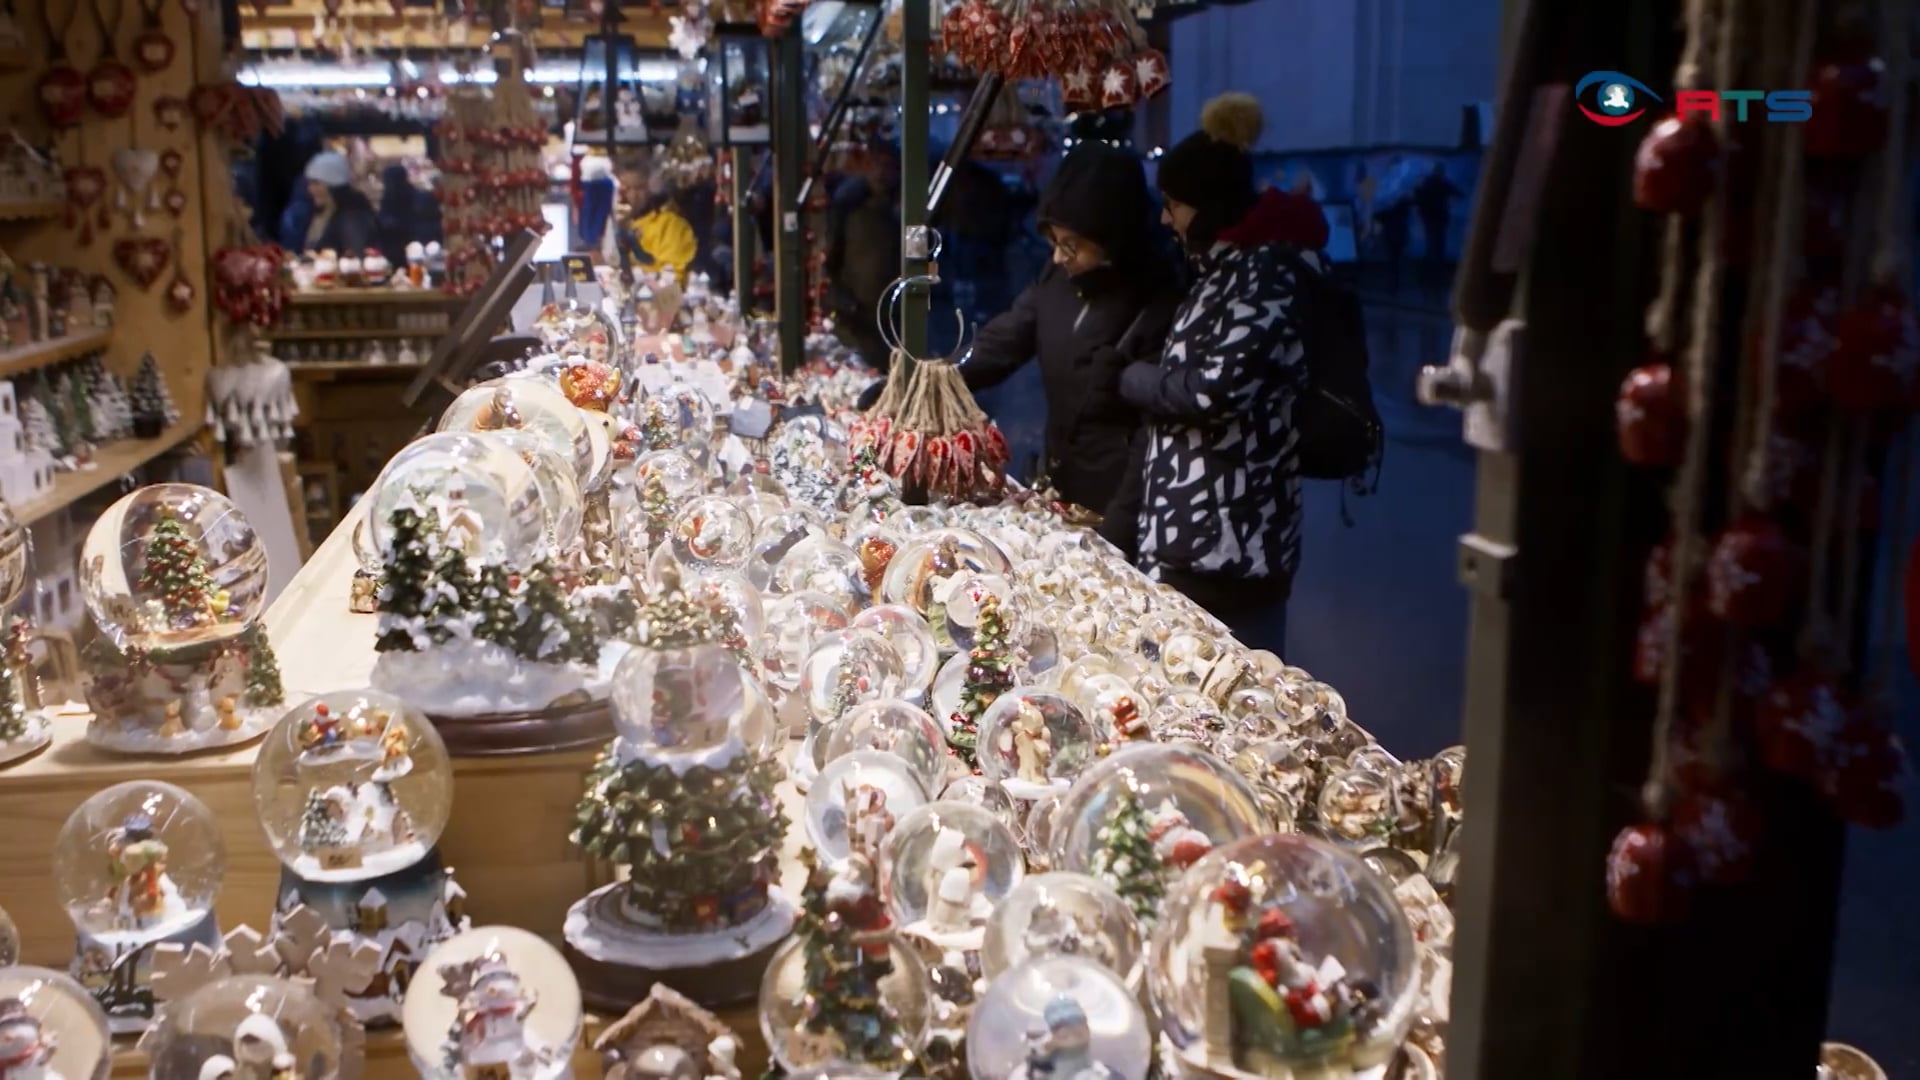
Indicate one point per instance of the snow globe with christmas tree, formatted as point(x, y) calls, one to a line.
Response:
point(50, 1028)
point(1281, 956)
point(1140, 817)
point(493, 1003)
point(175, 580)
point(24, 728)
point(684, 799)
point(946, 866)
point(845, 999)
point(845, 669)
point(1058, 1017)
point(968, 684)
point(352, 790)
point(135, 865)
point(1060, 913)
point(248, 1027)
point(1033, 742)
point(856, 801)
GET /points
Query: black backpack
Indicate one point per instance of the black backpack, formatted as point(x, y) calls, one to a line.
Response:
point(1341, 437)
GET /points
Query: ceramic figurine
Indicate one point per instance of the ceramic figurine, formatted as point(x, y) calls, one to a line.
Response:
point(668, 1037)
point(26, 1047)
point(868, 820)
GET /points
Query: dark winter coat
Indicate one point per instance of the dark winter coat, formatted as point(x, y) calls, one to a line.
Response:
point(353, 228)
point(1221, 478)
point(1072, 325)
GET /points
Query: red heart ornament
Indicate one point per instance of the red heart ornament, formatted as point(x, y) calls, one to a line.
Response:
point(142, 258)
point(180, 295)
point(175, 201)
point(170, 162)
point(1648, 875)
point(1800, 723)
point(153, 50)
point(1876, 366)
point(170, 111)
point(111, 86)
point(63, 95)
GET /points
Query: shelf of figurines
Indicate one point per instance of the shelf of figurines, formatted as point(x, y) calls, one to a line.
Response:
point(38, 354)
point(109, 464)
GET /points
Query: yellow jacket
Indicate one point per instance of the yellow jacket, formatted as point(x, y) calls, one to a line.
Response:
point(666, 236)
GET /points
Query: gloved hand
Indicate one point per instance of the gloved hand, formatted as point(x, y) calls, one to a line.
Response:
point(1102, 383)
point(871, 394)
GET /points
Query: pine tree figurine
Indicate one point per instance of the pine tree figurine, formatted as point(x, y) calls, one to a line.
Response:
point(846, 950)
point(552, 630)
point(493, 614)
point(656, 504)
point(456, 598)
point(407, 582)
point(37, 425)
point(263, 687)
point(48, 396)
point(320, 826)
point(656, 430)
point(175, 575)
point(989, 674)
point(152, 405)
point(79, 406)
point(1124, 858)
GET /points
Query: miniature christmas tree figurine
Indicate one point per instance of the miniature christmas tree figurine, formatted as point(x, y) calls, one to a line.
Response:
point(323, 825)
point(79, 406)
point(1124, 858)
point(174, 569)
point(656, 504)
point(152, 405)
point(264, 689)
point(47, 395)
point(848, 951)
point(657, 428)
point(407, 581)
point(37, 425)
point(989, 674)
point(553, 630)
point(451, 611)
point(493, 615)
point(111, 413)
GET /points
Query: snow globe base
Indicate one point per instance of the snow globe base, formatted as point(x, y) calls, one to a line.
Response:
point(476, 705)
point(618, 960)
point(403, 914)
point(169, 708)
point(1191, 1065)
point(801, 769)
point(33, 738)
point(117, 968)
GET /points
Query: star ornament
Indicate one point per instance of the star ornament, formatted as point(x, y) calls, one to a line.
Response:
point(1114, 82)
point(1078, 81)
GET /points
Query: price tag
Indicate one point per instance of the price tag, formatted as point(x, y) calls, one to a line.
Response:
point(752, 419)
point(339, 859)
point(579, 268)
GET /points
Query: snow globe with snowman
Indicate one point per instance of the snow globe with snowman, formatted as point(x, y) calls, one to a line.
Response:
point(1058, 1017)
point(51, 1028)
point(945, 867)
point(175, 580)
point(493, 1003)
point(248, 1027)
point(353, 790)
point(135, 865)
point(24, 728)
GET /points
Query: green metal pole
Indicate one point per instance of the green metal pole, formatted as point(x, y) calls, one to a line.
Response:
point(790, 144)
point(915, 45)
point(743, 231)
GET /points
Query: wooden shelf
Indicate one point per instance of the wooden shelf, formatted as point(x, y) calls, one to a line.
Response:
point(29, 210)
point(323, 370)
point(421, 297)
point(342, 334)
point(110, 463)
point(25, 358)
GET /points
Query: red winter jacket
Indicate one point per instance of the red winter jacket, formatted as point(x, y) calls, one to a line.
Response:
point(1280, 217)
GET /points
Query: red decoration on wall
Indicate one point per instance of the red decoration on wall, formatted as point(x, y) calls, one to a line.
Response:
point(1649, 875)
point(1675, 168)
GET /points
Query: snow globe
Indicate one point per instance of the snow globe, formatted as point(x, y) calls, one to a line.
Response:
point(684, 797)
point(561, 504)
point(961, 612)
point(247, 1026)
point(1358, 809)
point(899, 728)
point(175, 580)
point(907, 632)
point(1063, 1017)
point(352, 791)
point(1033, 742)
point(1143, 815)
point(9, 940)
point(946, 865)
point(776, 535)
point(855, 802)
point(135, 865)
point(922, 574)
point(1278, 954)
point(795, 623)
point(50, 1028)
point(677, 416)
point(711, 533)
point(24, 728)
point(844, 669)
point(1064, 914)
point(824, 565)
point(481, 497)
point(526, 403)
point(843, 1000)
point(493, 1003)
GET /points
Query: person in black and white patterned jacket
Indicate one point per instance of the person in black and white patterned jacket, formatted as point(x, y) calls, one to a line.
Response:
point(1220, 488)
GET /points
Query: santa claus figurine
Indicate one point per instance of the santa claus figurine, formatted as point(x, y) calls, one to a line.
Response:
point(854, 896)
point(26, 1049)
point(1277, 959)
point(1174, 838)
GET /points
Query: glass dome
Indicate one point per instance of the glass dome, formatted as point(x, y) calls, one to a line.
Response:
point(796, 622)
point(677, 416)
point(1064, 914)
point(493, 994)
point(814, 1038)
point(898, 727)
point(528, 403)
point(1034, 741)
point(824, 565)
point(855, 802)
point(946, 866)
point(261, 1025)
point(1358, 809)
point(1058, 1016)
point(737, 605)
point(845, 669)
point(352, 785)
point(173, 568)
point(137, 862)
point(14, 558)
point(1305, 945)
point(922, 574)
point(481, 496)
point(679, 474)
point(51, 1028)
point(711, 533)
point(908, 634)
point(9, 940)
point(560, 500)
point(687, 700)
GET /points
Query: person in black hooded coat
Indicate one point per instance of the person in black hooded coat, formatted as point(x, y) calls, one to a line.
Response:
point(1107, 298)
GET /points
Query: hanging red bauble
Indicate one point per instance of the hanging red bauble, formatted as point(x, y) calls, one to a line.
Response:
point(1651, 417)
point(1720, 828)
point(153, 50)
point(1866, 784)
point(111, 87)
point(1876, 363)
point(1804, 352)
point(1648, 875)
point(1676, 166)
point(1752, 573)
point(1799, 722)
point(1849, 108)
point(63, 95)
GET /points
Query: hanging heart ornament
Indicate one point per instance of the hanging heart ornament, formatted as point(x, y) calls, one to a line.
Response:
point(142, 258)
point(170, 111)
point(153, 50)
point(111, 86)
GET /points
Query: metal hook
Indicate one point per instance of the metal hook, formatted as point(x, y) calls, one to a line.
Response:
point(885, 314)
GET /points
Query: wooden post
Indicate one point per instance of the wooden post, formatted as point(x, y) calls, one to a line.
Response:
point(916, 37)
point(789, 161)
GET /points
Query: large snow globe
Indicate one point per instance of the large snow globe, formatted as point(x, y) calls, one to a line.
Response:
point(711, 533)
point(495, 1001)
point(244, 1026)
point(136, 864)
point(50, 1028)
point(476, 495)
point(899, 728)
point(1058, 1017)
point(1139, 818)
point(525, 403)
point(175, 580)
point(24, 727)
point(855, 802)
point(1282, 953)
point(1064, 914)
point(946, 865)
point(1033, 742)
point(561, 503)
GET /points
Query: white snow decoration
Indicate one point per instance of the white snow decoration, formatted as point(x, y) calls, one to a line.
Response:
point(478, 678)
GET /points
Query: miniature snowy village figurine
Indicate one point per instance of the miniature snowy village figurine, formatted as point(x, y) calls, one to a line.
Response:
point(49, 1028)
point(668, 1037)
point(216, 1023)
point(494, 1003)
point(353, 791)
point(175, 579)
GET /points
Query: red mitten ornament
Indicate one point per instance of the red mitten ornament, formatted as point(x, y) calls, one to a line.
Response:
point(1650, 417)
point(1751, 575)
point(1150, 72)
point(1675, 168)
point(1721, 830)
point(1799, 723)
point(1117, 88)
point(1649, 875)
point(1876, 365)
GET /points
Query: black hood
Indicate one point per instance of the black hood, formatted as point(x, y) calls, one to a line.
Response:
point(1100, 192)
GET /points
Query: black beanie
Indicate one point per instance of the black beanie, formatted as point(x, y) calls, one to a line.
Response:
point(1211, 170)
point(1100, 192)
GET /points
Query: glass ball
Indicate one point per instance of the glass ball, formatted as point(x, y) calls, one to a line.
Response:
point(9, 940)
point(481, 496)
point(970, 592)
point(855, 801)
point(51, 1028)
point(173, 568)
point(711, 533)
point(526, 403)
point(908, 634)
point(1357, 808)
point(1071, 1014)
point(1187, 801)
point(560, 501)
point(796, 622)
point(824, 565)
point(775, 536)
point(1449, 772)
point(1286, 765)
point(687, 701)
point(1064, 914)
point(804, 1028)
point(252, 1020)
point(352, 785)
point(736, 604)
point(680, 414)
point(946, 866)
point(499, 971)
point(921, 574)
point(1035, 741)
point(680, 475)
point(15, 558)
point(138, 861)
point(898, 727)
point(845, 669)
point(1187, 657)
point(1318, 936)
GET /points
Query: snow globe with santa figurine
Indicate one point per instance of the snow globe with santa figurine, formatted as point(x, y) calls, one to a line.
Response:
point(352, 790)
point(247, 1027)
point(1033, 742)
point(910, 636)
point(711, 533)
point(24, 728)
point(526, 402)
point(1058, 1018)
point(1064, 914)
point(493, 1003)
point(945, 867)
point(1281, 955)
point(51, 1028)
point(1143, 815)
point(176, 580)
point(856, 801)
point(135, 865)
point(683, 797)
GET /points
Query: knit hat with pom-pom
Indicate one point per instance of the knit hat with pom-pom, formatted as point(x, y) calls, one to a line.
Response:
point(1211, 170)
